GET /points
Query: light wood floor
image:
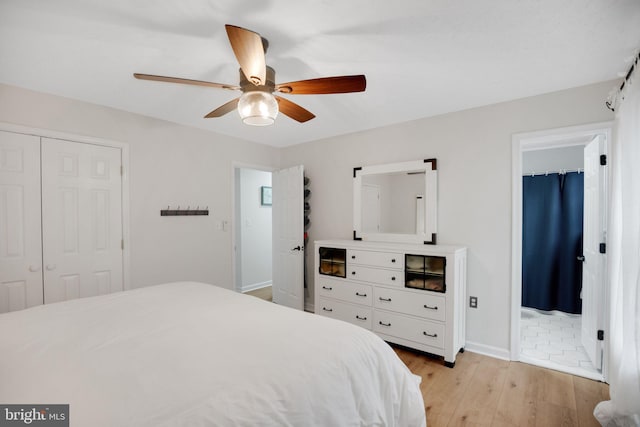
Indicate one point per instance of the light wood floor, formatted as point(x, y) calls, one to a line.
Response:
point(483, 391)
point(263, 293)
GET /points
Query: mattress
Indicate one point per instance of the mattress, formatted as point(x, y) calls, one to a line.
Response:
point(192, 354)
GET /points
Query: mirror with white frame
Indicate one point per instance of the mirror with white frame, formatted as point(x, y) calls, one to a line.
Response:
point(396, 202)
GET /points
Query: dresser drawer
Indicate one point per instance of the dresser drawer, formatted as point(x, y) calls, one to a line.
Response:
point(376, 275)
point(346, 291)
point(378, 259)
point(421, 303)
point(356, 314)
point(409, 328)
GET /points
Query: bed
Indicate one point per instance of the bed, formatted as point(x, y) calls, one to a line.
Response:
point(192, 354)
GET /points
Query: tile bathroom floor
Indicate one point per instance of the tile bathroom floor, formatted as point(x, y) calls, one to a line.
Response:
point(553, 340)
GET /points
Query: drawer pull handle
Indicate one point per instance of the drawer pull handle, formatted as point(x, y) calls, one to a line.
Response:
point(429, 335)
point(353, 257)
point(353, 273)
point(385, 324)
point(361, 295)
point(360, 318)
point(330, 288)
point(431, 308)
point(393, 260)
point(327, 309)
point(393, 278)
point(384, 299)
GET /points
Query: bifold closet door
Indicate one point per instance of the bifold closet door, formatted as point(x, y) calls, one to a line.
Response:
point(20, 231)
point(81, 219)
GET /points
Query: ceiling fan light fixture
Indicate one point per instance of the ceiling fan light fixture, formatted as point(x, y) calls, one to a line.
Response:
point(258, 108)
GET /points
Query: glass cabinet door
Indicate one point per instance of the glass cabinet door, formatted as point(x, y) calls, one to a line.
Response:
point(425, 272)
point(333, 262)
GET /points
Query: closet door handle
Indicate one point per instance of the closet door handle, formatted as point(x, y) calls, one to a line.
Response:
point(393, 278)
point(51, 267)
point(34, 268)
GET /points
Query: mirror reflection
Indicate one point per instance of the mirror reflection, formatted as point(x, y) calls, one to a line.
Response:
point(393, 202)
point(396, 202)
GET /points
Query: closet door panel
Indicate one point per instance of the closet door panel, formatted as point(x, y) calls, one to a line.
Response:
point(20, 228)
point(82, 219)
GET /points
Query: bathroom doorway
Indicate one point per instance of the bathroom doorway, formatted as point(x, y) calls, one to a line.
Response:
point(553, 316)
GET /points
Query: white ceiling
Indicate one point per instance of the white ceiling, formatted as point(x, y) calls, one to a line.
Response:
point(421, 57)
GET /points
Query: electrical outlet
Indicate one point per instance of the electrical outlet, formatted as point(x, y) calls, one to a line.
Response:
point(473, 302)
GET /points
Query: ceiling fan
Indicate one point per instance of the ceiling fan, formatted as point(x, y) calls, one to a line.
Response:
point(258, 105)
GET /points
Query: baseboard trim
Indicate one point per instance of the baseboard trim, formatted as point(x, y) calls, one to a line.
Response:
point(254, 286)
point(488, 350)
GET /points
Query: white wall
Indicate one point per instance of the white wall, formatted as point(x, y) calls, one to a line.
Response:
point(255, 230)
point(553, 160)
point(170, 164)
point(473, 149)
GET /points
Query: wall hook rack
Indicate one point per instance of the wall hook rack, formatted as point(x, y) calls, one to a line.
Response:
point(184, 212)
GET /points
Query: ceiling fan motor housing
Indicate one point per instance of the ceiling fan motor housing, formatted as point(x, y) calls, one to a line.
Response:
point(247, 86)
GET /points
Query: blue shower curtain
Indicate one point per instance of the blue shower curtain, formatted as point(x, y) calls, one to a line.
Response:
point(552, 241)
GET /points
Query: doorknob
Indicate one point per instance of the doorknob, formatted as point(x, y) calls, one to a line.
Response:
point(581, 258)
point(51, 267)
point(298, 248)
point(34, 268)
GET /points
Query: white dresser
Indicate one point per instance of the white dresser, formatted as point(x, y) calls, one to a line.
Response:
point(412, 295)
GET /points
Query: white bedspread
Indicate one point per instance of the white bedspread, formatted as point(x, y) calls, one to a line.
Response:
point(190, 354)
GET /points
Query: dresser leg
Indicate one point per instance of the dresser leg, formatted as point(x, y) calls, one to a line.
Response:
point(449, 364)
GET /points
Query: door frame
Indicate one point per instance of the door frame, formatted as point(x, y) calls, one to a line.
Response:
point(234, 237)
point(124, 150)
point(540, 140)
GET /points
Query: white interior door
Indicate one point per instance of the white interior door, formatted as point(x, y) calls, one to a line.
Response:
point(370, 208)
point(594, 261)
point(82, 219)
point(20, 228)
point(288, 237)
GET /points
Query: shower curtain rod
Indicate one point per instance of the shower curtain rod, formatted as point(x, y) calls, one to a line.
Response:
point(560, 172)
point(609, 104)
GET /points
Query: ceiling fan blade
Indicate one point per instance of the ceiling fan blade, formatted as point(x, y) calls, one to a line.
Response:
point(249, 50)
point(184, 81)
point(223, 109)
point(325, 85)
point(293, 110)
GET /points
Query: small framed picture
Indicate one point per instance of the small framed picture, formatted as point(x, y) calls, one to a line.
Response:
point(265, 196)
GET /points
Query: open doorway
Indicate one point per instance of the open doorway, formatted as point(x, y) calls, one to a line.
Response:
point(252, 231)
point(553, 315)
